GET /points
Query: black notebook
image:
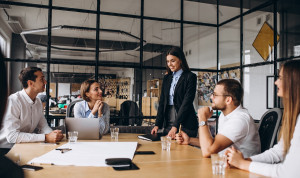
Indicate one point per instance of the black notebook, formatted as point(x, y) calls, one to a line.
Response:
point(151, 137)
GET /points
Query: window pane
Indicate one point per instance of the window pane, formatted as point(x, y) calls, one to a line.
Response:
point(228, 10)
point(229, 44)
point(258, 37)
point(255, 89)
point(169, 9)
point(119, 40)
point(289, 32)
point(159, 37)
point(200, 12)
point(128, 6)
point(200, 46)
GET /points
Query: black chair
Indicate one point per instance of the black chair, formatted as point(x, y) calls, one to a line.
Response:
point(70, 108)
point(131, 114)
point(268, 128)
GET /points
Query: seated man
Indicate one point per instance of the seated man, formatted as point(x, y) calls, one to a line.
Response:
point(236, 126)
point(24, 120)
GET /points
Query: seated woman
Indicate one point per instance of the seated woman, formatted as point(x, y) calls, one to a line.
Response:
point(282, 159)
point(92, 106)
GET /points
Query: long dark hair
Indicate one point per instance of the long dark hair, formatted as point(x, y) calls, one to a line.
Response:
point(176, 51)
point(3, 88)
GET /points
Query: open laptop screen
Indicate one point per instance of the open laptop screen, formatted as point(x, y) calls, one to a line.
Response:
point(88, 128)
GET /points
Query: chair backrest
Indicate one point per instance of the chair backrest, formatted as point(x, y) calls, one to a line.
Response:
point(70, 112)
point(130, 109)
point(268, 128)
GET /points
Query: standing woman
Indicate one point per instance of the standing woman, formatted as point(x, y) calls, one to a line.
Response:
point(283, 159)
point(92, 106)
point(177, 96)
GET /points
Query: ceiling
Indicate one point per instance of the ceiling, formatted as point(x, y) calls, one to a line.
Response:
point(73, 33)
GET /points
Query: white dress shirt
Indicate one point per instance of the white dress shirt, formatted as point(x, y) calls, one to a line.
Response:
point(82, 110)
point(274, 163)
point(24, 120)
point(239, 127)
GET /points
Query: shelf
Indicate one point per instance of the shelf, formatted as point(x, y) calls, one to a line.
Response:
point(154, 87)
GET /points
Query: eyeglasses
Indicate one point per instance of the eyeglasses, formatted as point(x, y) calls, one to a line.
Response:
point(214, 95)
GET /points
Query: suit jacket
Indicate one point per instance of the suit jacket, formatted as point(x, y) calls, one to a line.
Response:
point(184, 95)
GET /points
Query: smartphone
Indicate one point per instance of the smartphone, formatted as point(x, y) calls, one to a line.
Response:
point(31, 167)
point(131, 167)
point(144, 153)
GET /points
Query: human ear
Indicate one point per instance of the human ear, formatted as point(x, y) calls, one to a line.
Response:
point(228, 99)
point(29, 82)
point(87, 94)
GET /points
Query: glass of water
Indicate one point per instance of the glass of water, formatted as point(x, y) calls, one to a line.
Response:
point(73, 135)
point(166, 143)
point(218, 162)
point(114, 133)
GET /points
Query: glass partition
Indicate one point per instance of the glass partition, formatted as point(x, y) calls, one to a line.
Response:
point(256, 80)
point(168, 9)
point(200, 12)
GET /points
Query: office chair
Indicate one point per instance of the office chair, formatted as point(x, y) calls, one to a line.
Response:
point(70, 111)
point(130, 109)
point(268, 128)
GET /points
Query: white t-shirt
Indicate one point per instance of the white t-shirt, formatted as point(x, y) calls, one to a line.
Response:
point(239, 127)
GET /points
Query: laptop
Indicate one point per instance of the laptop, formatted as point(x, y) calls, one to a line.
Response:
point(88, 128)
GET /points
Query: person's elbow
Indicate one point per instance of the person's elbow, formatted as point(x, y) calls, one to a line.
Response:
point(12, 137)
point(207, 152)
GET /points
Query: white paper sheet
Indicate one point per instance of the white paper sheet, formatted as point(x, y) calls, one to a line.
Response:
point(88, 153)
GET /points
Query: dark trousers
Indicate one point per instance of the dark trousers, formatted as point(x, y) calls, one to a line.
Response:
point(170, 115)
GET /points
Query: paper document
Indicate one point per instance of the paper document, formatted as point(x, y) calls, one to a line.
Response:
point(88, 153)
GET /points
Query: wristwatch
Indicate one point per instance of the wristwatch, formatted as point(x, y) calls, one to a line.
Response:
point(202, 123)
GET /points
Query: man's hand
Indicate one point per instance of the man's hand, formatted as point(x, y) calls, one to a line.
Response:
point(204, 113)
point(172, 132)
point(54, 136)
point(182, 138)
point(154, 130)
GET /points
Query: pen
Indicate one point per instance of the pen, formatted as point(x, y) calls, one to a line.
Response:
point(179, 129)
point(46, 163)
point(63, 150)
point(46, 143)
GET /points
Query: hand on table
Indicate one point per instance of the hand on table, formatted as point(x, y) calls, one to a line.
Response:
point(172, 132)
point(182, 138)
point(54, 136)
point(154, 130)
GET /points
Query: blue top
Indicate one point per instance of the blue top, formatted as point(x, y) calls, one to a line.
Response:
point(176, 76)
point(82, 110)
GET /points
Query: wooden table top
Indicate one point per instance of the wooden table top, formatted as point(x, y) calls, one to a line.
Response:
point(180, 161)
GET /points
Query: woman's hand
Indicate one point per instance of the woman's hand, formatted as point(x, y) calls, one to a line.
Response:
point(172, 132)
point(96, 107)
point(100, 110)
point(235, 158)
point(154, 130)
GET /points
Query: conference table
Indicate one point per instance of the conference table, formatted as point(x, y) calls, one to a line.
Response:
point(180, 161)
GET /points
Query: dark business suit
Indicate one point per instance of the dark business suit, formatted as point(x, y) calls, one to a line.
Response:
point(183, 102)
